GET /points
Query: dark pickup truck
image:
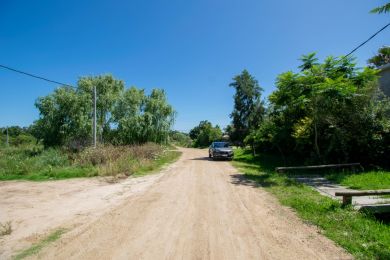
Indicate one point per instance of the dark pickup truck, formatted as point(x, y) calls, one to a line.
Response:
point(221, 150)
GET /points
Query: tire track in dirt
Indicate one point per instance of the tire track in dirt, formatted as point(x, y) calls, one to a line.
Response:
point(200, 209)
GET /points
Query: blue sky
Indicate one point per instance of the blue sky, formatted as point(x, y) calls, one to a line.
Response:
point(192, 49)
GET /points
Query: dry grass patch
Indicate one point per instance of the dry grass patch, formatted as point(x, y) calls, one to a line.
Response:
point(5, 228)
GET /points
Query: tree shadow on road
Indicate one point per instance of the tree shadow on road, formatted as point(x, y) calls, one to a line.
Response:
point(200, 159)
point(251, 180)
point(209, 159)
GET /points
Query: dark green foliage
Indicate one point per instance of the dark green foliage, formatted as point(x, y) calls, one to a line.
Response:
point(204, 134)
point(65, 117)
point(329, 112)
point(248, 107)
point(17, 136)
point(381, 9)
point(382, 58)
point(308, 61)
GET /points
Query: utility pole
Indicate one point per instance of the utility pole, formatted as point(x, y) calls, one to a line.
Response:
point(94, 116)
point(7, 138)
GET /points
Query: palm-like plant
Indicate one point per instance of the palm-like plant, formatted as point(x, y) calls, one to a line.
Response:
point(308, 61)
point(382, 58)
point(381, 9)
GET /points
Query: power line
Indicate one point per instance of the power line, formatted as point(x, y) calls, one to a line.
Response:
point(63, 84)
point(363, 43)
point(35, 76)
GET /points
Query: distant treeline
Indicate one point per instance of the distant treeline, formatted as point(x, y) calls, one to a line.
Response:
point(16, 136)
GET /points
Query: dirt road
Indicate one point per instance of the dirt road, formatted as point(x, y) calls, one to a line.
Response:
point(198, 209)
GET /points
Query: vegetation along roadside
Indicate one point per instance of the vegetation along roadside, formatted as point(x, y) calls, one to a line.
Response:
point(36, 163)
point(360, 234)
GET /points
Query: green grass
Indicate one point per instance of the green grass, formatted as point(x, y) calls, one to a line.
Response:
point(53, 174)
point(37, 164)
point(34, 249)
point(362, 235)
point(372, 180)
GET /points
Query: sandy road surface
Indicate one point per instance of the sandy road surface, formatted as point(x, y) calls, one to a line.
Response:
point(199, 209)
point(37, 208)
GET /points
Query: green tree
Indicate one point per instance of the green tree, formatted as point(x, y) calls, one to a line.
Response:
point(142, 118)
point(332, 112)
point(308, 61)
point(64, 118)
point(180, 138)
point(108, 91)
point(380, 59)
point(381, 9)
point(205, 133)
point(124, 116)
point(248, 107)
point(128, 116)
point(159, 117)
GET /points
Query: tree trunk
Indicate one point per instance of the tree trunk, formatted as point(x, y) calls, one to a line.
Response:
point(316, 141)
point(281, 153)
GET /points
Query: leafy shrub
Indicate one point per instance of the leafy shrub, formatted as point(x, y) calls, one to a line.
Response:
point(112, 160)
point(36, 163)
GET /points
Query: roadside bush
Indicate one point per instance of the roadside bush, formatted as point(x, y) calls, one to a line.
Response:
point(36, 163)
point(22, 161)
point(180, 139)
point(205, 133)
point(112, 160)
point(109, 153)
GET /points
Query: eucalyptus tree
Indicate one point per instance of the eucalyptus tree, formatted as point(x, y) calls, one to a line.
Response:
point(248, 107)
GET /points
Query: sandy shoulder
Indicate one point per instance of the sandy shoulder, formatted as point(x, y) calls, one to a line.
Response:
point(37, 208)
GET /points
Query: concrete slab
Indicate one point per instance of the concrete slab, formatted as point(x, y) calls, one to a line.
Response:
point(328, 188)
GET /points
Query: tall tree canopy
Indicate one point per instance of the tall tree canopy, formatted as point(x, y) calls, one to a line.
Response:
point(308, 61)
point(332, 112)
point(381, 9)
point(65, 117)
point(380, 59)
point(124, 116)
point(248, 107)
point(108, 90)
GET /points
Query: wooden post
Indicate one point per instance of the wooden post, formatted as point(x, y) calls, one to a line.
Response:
point(347, 200)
